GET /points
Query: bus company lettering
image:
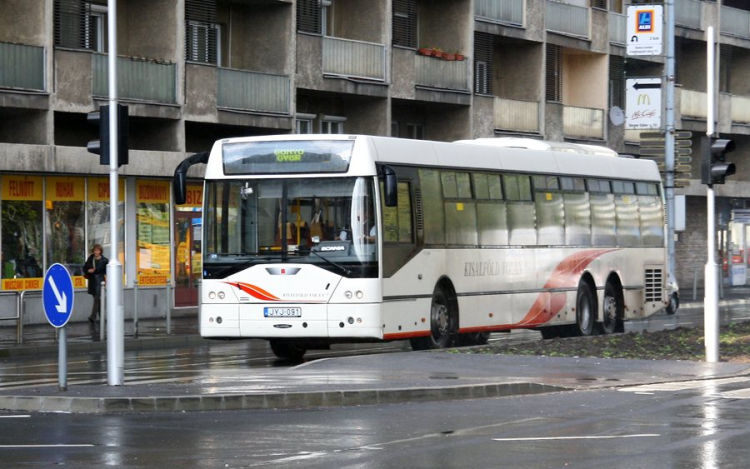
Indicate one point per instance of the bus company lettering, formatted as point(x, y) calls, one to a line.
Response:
point(284, 156)
point(493, 268)
point(302, 296)
point(153, 193)
point(21, 188)
point(64, 190)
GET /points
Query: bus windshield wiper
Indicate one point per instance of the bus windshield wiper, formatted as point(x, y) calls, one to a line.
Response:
point(328, 261)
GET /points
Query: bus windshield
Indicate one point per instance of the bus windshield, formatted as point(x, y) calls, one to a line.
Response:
point(329, 222)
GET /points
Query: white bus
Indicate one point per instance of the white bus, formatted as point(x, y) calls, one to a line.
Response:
point(311, 240)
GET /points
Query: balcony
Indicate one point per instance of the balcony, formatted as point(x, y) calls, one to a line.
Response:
point(693, 104)
point(740, 109)
point(520, 116)
point(688, 13)
point(136, 79)
point(735, 22)
point(22, 67)
point(617, 28)
point(567, 19)
point(504, 11)
point(251, 91)
point(353, 59)
point(442, 74)
point(581, 122)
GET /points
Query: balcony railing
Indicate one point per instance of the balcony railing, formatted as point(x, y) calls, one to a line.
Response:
point(137, 79)
point(239, 89)
point(504, 11)
point(353, 59)
point(617, 28)
point(443, 74)
point(693, 104)
point(581, 122)
point(688, 13)
point(511, 114)
point(567, 19)
point(735, 22)
point(740, 109)
point(22, 67)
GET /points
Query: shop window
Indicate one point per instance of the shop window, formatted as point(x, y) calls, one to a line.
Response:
point(22, 239)
point(153, 235)
point(64, 203)
point(98, 209)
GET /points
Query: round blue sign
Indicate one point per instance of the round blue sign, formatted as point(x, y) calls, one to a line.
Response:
point(57, 295)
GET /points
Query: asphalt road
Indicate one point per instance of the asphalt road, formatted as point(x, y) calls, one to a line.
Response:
point(703, 424)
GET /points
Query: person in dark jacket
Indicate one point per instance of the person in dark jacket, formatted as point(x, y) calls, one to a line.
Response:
point(94, 269)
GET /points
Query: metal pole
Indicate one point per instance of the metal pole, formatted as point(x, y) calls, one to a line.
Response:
point(116, 326)
point(62, 361)
point(21, 313)
point(102, 312)
point(135, 308)
point(19, 325)
point(711, 300)
point(669, 136)
point(169, 306)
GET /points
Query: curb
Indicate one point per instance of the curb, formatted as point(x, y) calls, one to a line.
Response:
point(86, 347)
point(288, 400)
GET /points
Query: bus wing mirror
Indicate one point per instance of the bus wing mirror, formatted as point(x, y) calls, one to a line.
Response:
point(391, 187)
point(179, 182)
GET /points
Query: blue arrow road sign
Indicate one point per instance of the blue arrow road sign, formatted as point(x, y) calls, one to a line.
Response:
point(57, 295)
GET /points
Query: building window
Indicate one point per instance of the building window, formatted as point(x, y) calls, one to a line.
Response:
point(22, 235)
point(405, 23)
point(725, 68)
point(332, 125)
point(394, 129)
point(202, 32)
point(309, 16)
point(554, 73)
point(483, 58)
point(304, 123)
point(616, 81)
point(98, 208)
point(153, 237)
point(96, 28)
point(64, 203)
point(80, 24)
point(415, 131)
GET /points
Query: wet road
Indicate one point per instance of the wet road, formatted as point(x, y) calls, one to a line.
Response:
point(702, 424)
point(200, 362)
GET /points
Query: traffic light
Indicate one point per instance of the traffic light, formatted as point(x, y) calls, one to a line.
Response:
point(713, 167)
point(101, 147)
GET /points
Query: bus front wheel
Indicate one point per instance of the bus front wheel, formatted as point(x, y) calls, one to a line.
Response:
point(287, 349)
point(443, 324)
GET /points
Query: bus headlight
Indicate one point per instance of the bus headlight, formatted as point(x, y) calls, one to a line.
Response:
point(221, 295)
point(348, 295)
point(211, 295)
point(359, 295)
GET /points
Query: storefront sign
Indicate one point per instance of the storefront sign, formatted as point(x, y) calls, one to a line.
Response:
point(152, 192)
point(64, 189)
point(22, 283)
point(147, 280)
point(21, 187)
point(99, 190)
point(193, 196)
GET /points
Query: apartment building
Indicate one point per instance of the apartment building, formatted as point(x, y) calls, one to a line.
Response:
point(194, 71)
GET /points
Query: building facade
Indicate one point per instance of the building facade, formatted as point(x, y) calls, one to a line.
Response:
point(195, 71)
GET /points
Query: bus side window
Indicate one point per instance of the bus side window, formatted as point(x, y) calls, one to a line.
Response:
point(602, 202)
point(397, 221)
point(626, 211)
point(577, 212)
point(651, 215)
point(550, 221)
point(432, 206)
point(460, 212)
point(521, 210)
point(492, 216)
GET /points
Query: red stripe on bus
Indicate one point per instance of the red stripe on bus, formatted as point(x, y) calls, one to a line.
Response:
point(405, 335)
point(254, 291)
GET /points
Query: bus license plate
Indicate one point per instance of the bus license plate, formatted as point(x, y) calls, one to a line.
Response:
point(282, 312)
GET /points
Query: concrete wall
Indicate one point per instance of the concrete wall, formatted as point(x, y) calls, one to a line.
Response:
point(360, 20)
point(517, 68)
point(245, 49)
point(367, 116)
point(443, 23)
point(691, 69)
point(148, 28)
point(585, 79)
point(22, 22)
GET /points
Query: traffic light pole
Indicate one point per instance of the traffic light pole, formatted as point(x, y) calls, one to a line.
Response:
point(711, 272)
point(669, 138)
point(115, 312)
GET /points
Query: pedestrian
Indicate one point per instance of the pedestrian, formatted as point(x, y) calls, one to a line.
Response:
point(94, 271)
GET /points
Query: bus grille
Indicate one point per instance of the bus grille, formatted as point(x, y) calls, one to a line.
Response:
point(654, 285)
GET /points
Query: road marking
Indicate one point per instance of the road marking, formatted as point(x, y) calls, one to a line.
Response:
point(44, 446)
point(15, 416)
point(585, 437)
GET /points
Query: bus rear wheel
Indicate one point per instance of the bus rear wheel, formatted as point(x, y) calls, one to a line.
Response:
point(287, 349)
point(585, 309)
point(443, 324)
point(611, 309)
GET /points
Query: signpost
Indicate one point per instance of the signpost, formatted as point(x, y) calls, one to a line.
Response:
point(643, 103)
point(644, 29)
point(57, 299)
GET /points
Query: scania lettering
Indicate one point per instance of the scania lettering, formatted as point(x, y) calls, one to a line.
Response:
point(310, 240)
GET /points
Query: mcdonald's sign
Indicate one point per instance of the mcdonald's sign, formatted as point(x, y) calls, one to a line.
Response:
point(644, 99)
point(643, 103)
